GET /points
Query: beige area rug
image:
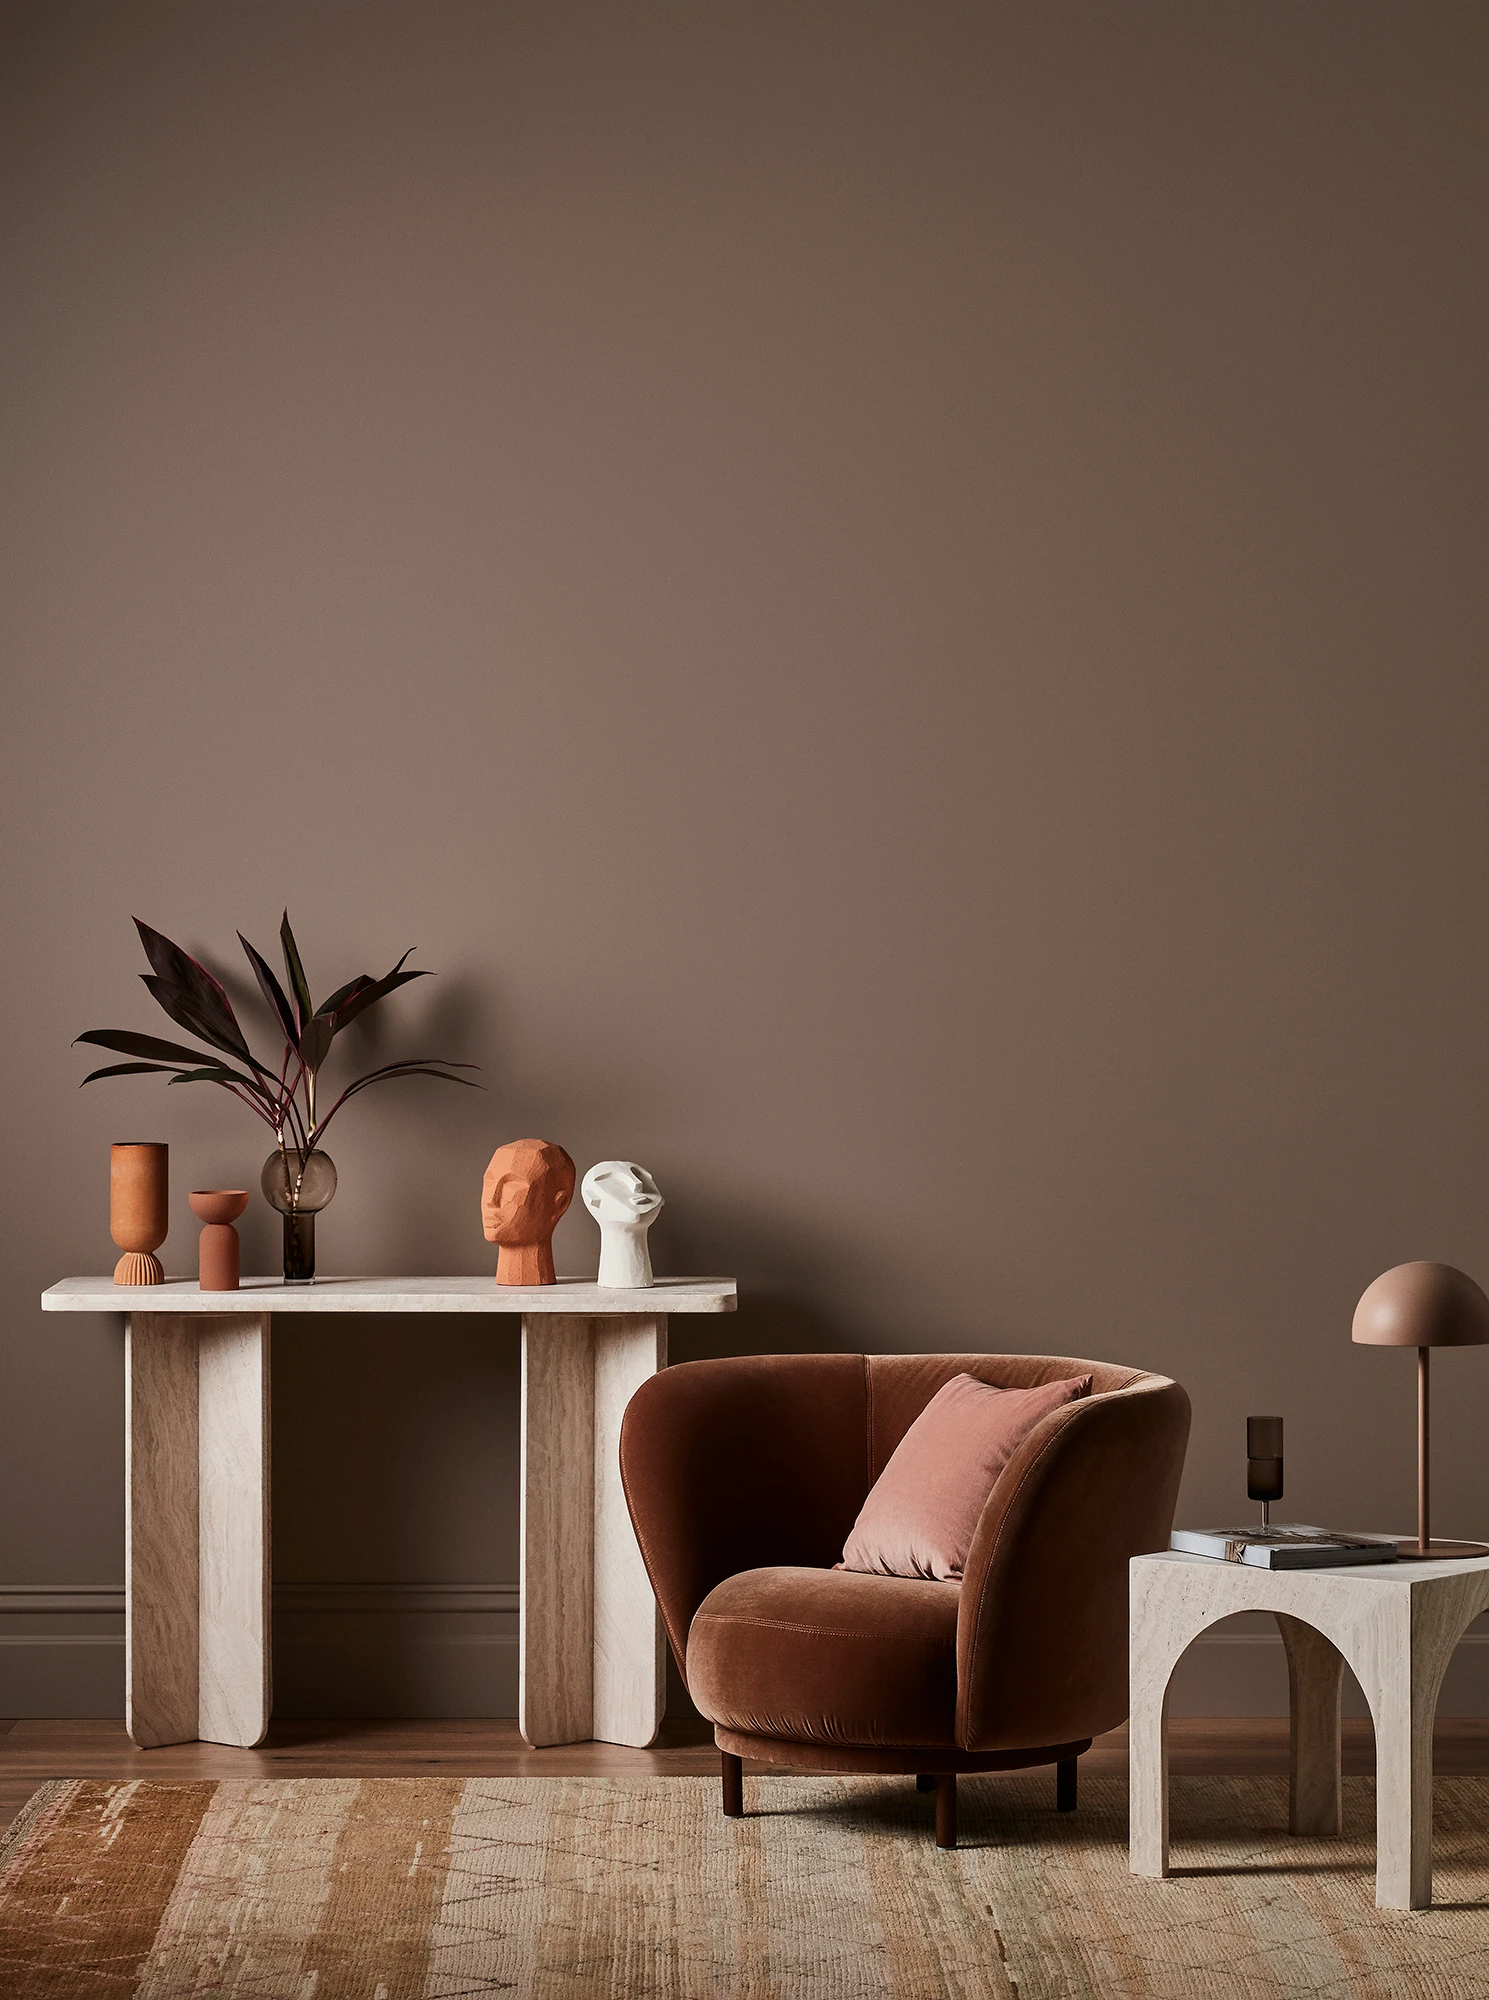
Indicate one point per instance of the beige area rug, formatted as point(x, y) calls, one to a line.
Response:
point(387, 1889)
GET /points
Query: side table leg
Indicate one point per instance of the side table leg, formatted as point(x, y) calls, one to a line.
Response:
point(1403, 1808)
point(555, 1697)
point(235, 1677)
point(1147, 1780)
point(1315, 1674)
point(1410, 1659)
point(160, 1528)
point(1161, 1624)
point(630, 1686)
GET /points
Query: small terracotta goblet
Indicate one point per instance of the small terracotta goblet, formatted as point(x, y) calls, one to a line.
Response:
point(218, 1209)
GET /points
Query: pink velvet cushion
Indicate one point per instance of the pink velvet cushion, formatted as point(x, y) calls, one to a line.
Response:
point(919, 1517)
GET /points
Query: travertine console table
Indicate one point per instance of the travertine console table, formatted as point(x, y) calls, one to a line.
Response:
point(1395, 1623)
point(196, 1620)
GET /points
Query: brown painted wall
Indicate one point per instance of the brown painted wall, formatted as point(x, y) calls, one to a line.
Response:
point(895, 596)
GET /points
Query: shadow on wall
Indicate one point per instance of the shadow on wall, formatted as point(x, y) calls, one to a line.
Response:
point(785, 1275)
point(794, 1275)
point(764, 1323)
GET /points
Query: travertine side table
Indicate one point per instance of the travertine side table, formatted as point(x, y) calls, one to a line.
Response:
point(196, 1510)
point(1395, 1623)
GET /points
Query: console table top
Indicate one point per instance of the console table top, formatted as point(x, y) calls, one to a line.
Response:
point(579, 1296)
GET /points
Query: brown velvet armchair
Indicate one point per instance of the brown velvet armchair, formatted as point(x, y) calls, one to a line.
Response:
point(743, 1478)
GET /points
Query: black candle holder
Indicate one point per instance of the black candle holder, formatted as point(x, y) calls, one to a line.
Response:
point(1264, 1463)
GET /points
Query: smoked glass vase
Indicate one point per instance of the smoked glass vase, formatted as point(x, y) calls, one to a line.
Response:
point(299, 1186)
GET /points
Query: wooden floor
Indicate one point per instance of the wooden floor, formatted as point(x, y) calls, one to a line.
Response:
point(32, 1752)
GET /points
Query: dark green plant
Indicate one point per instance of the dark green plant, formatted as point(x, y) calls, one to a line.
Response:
point(284, 1098)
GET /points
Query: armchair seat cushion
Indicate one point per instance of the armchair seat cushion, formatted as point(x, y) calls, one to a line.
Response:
point(827, 1656)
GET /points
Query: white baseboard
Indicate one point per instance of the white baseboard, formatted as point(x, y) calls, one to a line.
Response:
point(446, 1650)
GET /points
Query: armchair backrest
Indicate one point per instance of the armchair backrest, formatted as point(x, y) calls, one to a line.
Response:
point(900, 1386)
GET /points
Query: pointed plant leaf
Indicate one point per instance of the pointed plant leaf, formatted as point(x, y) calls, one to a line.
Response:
point(271, 989)
point(370, 994)
point(295, 970)
point(126, 1043)
point(260, 1105)
point(315, 1042)
point(415, 1068)
point(179, 969)
point(182, 1009)
point(171, 1054)
point(410, 1062)
point(382, 1075)
point(128, 1069)
point(344, 993)
point(226, 1075)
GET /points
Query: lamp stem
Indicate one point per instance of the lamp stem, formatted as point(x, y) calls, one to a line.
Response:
point(1424, 1536)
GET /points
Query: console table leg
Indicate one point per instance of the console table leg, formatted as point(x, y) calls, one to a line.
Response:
point(555, 1693)
point(630, 1685)
point(160, 1529)
point(197, 1659)
point(235, 1680)
point(1315, 1674)
point(590, 1659)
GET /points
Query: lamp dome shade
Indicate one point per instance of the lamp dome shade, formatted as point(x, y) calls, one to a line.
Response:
point(1422, 1305)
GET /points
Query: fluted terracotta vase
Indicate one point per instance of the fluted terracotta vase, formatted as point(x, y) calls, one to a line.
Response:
point(138, 1210)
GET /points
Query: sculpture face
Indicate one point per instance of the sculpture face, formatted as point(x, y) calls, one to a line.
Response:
point(620, 1191)
point(527, 1187)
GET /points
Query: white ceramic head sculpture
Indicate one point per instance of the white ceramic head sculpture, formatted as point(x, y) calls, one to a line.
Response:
point(624, 1200)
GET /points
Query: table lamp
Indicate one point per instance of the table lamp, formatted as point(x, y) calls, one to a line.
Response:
point(1424, 1306)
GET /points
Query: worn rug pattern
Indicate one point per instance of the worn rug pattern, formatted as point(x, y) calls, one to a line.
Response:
point(566, 1888)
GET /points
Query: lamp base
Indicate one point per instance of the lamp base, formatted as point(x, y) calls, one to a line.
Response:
point(1437, 1552)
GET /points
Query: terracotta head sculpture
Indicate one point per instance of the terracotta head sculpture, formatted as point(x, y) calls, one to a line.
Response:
point(528, 1186)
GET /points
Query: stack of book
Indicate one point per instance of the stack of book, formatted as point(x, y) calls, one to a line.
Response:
point(1285, 1546)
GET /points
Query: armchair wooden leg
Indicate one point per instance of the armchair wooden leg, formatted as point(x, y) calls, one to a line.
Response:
point(925, 1782)
point(733, 1785)
point(1065, 1784)
point(945, 1782)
